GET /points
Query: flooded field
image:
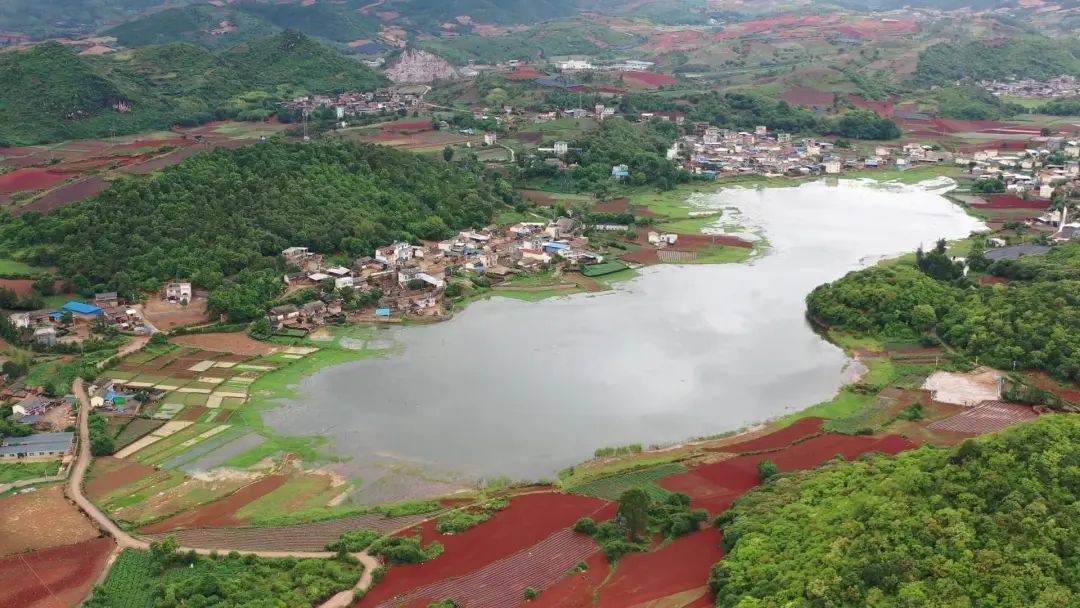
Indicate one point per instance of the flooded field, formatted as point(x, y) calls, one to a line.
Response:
point(519, 389)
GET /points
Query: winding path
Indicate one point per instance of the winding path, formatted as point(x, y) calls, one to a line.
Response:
point(127, 541)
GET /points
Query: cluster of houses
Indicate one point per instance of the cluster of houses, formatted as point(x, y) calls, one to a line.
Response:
point(412, 279)
point(71, 323)
point(1063, 86)
point(1035, 171)
point(713, 152)
point(392, 99)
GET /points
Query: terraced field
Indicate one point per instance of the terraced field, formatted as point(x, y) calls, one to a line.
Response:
point(609, 488)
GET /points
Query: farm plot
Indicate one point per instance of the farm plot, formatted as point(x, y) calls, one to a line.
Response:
point(987, 417)
point(610, 488)
point(498, 538)
point(41, 520)
point(300, 537)
point(676, 572)
point(502, 583)
point(61, 576)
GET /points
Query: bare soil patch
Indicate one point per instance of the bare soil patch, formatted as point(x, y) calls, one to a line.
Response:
point(41, 520)
point(53, 578)
point(237, 343)
point(166, 316)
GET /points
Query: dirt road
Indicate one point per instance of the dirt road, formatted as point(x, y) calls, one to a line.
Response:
point(124, 540)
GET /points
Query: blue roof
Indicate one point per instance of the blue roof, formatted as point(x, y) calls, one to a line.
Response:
point(556, 246)
point(81, 309)
point(383, 312)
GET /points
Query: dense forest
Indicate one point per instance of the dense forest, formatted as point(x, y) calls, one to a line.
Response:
point(1019, 57)
point(990, 523)
point(971, 102)
point(1032, 323)
point(220, 218)
point(53, 94)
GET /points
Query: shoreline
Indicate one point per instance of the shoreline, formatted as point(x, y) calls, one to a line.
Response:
point(269, 401)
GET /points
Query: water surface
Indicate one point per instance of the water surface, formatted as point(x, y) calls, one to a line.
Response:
point(521, 389)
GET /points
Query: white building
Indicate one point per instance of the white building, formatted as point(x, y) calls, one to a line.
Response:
point(178, 292)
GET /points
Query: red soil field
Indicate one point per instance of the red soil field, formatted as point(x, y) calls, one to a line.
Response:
point(576, 591)
point(1007, 201)
point(65, 195)
point(502, 584)
point(716, 486)
point(53, 578)
point(21, 287)
point(985, 126)
point(22, 180)
point(619, 205)
point(650, 80)
point(524, 74)
point(641, 256)
point(780, 439)
point(987, 417)
point(806, 96)
point(220, 513)
point(696, 242)
point(529, 519)
point(408, 127)
point(236, 343)
point(538, 197)
point(882, 108)
point(109, 474)
point(994, 280)
point(679, 567)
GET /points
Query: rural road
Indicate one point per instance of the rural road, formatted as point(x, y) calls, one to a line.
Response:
point(127, 541)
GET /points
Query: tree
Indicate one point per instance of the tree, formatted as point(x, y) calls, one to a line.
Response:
point(767, 469)
point(448, 154)
point(937, 263)
point(634, 511)
point(924, 317)
point(261, 329)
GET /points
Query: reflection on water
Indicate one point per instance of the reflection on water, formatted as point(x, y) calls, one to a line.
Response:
point(523, 389)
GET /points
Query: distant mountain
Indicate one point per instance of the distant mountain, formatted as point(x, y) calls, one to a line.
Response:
point(216, 26)
point(204, 24)
point(49, 18)
point(502, 12)
point(57, 95)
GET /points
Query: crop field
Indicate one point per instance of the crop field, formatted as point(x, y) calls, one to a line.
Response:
point(610, 488)
point(987, 417)
point(61, 576)
point(502, 583)
point(480, 548)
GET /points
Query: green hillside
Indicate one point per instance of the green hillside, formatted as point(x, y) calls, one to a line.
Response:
point(59, 95)
point(69, 17)
point(332, 197)
point(199, 24)
point(435, 12)
point(1030, 57)
point(990, 523)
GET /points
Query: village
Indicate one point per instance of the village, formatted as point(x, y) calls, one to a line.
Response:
point(1064, 86)
point(419, 280)
point(392, 99)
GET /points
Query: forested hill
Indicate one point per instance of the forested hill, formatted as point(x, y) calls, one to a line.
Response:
point(1029, 323)
point(1020, 57)
point(202, 23)
point(990, 523)
point(227, 211)
point(53, 94)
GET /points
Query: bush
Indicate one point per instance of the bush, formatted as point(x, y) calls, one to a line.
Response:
point(531, 593)
point(615, 549)
point(767, 469)
point(354, 541)
point(585, 526)
point(406, 549)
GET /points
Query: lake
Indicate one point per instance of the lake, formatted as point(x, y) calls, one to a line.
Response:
point(521, 390)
